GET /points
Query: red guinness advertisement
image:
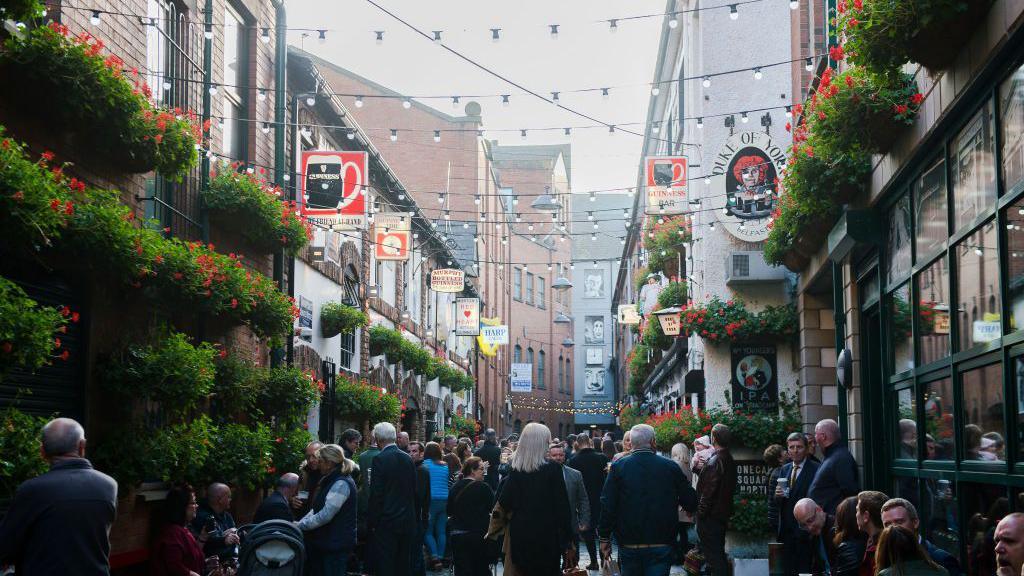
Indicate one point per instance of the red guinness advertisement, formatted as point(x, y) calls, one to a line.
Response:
point(331, 188)
point(666, 184)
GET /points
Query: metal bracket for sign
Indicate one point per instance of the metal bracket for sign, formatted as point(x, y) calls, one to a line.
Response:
point(169, 207)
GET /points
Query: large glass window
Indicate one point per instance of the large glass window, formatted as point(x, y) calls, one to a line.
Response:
point(984, 434)
point(540, 292)
point(939, 516)
point(540, 369)
point(529, 288)
point(930, 211)
point(985, 505)
point(529, 360)
point(1018, 377)
point(974, 174)
point(1011, 108)
point(906, 419)
point(899, 240)
point(517, 283)
point(938, 420)
point(933, 312)
point(901, 334)
point(517, 354)
point(235, 83)
point(1015, 263)
point(978, 302)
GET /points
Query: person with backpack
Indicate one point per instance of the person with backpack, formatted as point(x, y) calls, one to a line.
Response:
point(330, 526)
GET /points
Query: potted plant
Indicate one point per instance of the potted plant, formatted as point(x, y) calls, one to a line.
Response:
point(337, 318)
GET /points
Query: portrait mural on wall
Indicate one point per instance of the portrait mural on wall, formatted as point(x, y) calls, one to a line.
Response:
point(593, 330)
point(745, 178)
point(594, 382)
point(593, 284)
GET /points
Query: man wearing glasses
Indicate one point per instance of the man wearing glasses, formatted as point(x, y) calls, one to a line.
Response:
point(818, 524)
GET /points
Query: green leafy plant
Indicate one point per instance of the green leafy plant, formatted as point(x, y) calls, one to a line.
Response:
point(749, 515)
point(663, 238)
point(653, 336)
point(749, 429)
point(172, 372)
point(254, 208)
point(630, 416)
point(287, 395)
point(672, 295)
point(452, 378)
point(236, 388)
point(384, 340)
point(21, 10)
point(239, 455)
point(133, 452)
point(720, 321)
point(462, 426)
point(640, 367)
point(287, 452)
point(29, 333)
point(358, 400)
point(94, 98)
point(337, 318)
point(20, 459)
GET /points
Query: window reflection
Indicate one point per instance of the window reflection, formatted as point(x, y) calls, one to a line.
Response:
point(930, 209)
point(985, 505)
point(938, 513)
point(906, 428)
point(1015, 263)
point(902, 318)
point(1019, 379)
point(899, 240)
point(974, 175)
point(984, 434)
point(933, 312)
point(938, 420)
point(978, 293)
point(1011, 106)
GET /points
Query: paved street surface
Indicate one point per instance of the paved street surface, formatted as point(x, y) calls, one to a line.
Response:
point(584, 560)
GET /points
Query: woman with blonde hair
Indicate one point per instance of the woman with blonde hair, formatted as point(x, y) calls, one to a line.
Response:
point(681, 456)
point(534, 505)
point(330, 525)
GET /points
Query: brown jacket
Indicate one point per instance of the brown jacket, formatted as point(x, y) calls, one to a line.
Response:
point(716, 486)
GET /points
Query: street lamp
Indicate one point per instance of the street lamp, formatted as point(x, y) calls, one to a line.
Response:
point(546, 202)
point(561, 283)
point(669, 319)
point(568, 343)
point(562, 319)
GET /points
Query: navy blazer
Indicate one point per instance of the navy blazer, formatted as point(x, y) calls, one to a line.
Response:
point(392, 501)
point(787, 524)
point(942, 558)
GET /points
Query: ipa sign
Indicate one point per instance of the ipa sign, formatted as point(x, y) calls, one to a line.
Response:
point(521, 377)
point(755, 378)
point(332, 188)
point(450, 280)
point(467, 316)
point(666, 184)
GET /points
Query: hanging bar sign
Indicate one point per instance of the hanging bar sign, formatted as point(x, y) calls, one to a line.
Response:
point(451, 280)
point(665, 177)
point(332, 185)
point(467, 316)
point(391, 237)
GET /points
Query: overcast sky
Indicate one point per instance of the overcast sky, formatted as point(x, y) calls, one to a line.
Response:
point(585, 55)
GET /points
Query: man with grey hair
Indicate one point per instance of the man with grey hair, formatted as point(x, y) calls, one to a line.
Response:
point(715, 488)
point(639, 506)
point(491, 454)
point(59, 522)
point(837, 477)
point(900, 512)
point(391, 514)
point(403, 441)
point(275, 506)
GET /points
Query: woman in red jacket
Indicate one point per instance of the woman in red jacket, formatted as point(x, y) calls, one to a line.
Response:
point(173, 550)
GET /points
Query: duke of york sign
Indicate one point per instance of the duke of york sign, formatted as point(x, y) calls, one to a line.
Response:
point(745, 182)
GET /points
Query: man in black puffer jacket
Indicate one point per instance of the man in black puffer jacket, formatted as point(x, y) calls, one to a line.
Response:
point(593, 465)
point(491, 454)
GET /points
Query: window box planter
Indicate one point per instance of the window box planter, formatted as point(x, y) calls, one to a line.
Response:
point(247, 204)
point(938, 43)
point(337, 318)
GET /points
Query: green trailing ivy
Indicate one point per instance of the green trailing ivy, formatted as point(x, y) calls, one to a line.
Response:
point(173, 372)
point(640, 367)
point(97, 101)
point(720, 321)
point(358, 400)
point(252, 206)
point(452, 378)
point(19, 450)
point(30, 334)
point(653, 336)
point(21, 10)
point(241, 455)
point(236, 388)
point(337, 318)
point(133, 453)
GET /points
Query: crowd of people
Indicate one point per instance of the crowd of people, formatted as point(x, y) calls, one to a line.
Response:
point(400, 507)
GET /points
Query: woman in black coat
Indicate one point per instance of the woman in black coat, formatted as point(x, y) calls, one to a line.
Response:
point(849, 540)
point(534, 495)
point(470, 502)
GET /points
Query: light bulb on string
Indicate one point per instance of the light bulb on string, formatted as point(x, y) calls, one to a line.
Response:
point(350, 134)
point(809, 64)
point(554, 97)
point(734, 12)
point(605, 93)
point(208, 34)
point(322, 36)
point(613, 26)
point(655, 90)
point(266, 128)
point(505, 99)
point(611, 130)
point(359, 101)
point(758, 74)
point(706, 82)
point(95, 18)
point(794, 4)
point(495, 34)
point(380, 36)
point(522, 133)
point(406, 103)
point(455, 101)
point(213, 90)
point(672, 22)
point(656, 127)
point(311, 100)
point(789, 111)
point(394, 135)
point(437, 36)
point(265, 36)
point(554, 31)
point(261, 95)
point(744, 118)
point(437, 135)
point(568, 131)
point(700, 122)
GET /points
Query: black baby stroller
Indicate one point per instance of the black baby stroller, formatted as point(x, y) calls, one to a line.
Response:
point(271, 548)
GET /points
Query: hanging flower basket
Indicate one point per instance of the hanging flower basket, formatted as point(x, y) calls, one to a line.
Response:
point(337, 318)
point(795, 261)
point(936, 45)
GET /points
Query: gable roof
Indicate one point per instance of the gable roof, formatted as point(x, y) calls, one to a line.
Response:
point(543, 155)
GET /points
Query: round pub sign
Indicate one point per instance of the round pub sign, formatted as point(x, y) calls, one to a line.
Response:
point(745, 182)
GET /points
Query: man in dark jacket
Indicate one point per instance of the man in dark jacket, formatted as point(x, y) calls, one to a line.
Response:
point(799, 473)
point(59, 523)
point(639, 505)
point(900, 512)
point(837, 477)
point(419, 567)
point(592, 465)
point(391, 518)
point(819, 525)
point(309, 478)
point(275, 506)
point(715, 488)
point(213, 514)
point(491, 454)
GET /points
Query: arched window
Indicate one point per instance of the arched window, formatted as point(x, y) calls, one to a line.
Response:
point(540, 370)
point(517, 355)
point(529, 360)
point(568, 375)
point(561, 374)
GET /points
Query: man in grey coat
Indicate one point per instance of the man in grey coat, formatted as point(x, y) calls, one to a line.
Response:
point(59, 523)
point(579, 503)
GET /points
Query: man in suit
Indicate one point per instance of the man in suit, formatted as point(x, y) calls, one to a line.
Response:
point(837, 477)
point(900, 512)
point(391, 518)
point(579, 503)
point(592, 464)
point(275, 506)
point(798, 472)
point(819, 524)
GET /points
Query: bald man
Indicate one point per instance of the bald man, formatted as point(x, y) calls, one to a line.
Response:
point(812, 518)
point(59, 522)
point(1009, 538)
point(837, 478)
point(276, 505)
point(213, 514)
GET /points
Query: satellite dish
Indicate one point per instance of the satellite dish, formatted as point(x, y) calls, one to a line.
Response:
point(473, 108)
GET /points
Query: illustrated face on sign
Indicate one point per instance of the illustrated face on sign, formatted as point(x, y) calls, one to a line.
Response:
point(751, 184)
point(753, 372)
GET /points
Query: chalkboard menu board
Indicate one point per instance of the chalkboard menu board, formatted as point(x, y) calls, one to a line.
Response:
point(751, 476)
